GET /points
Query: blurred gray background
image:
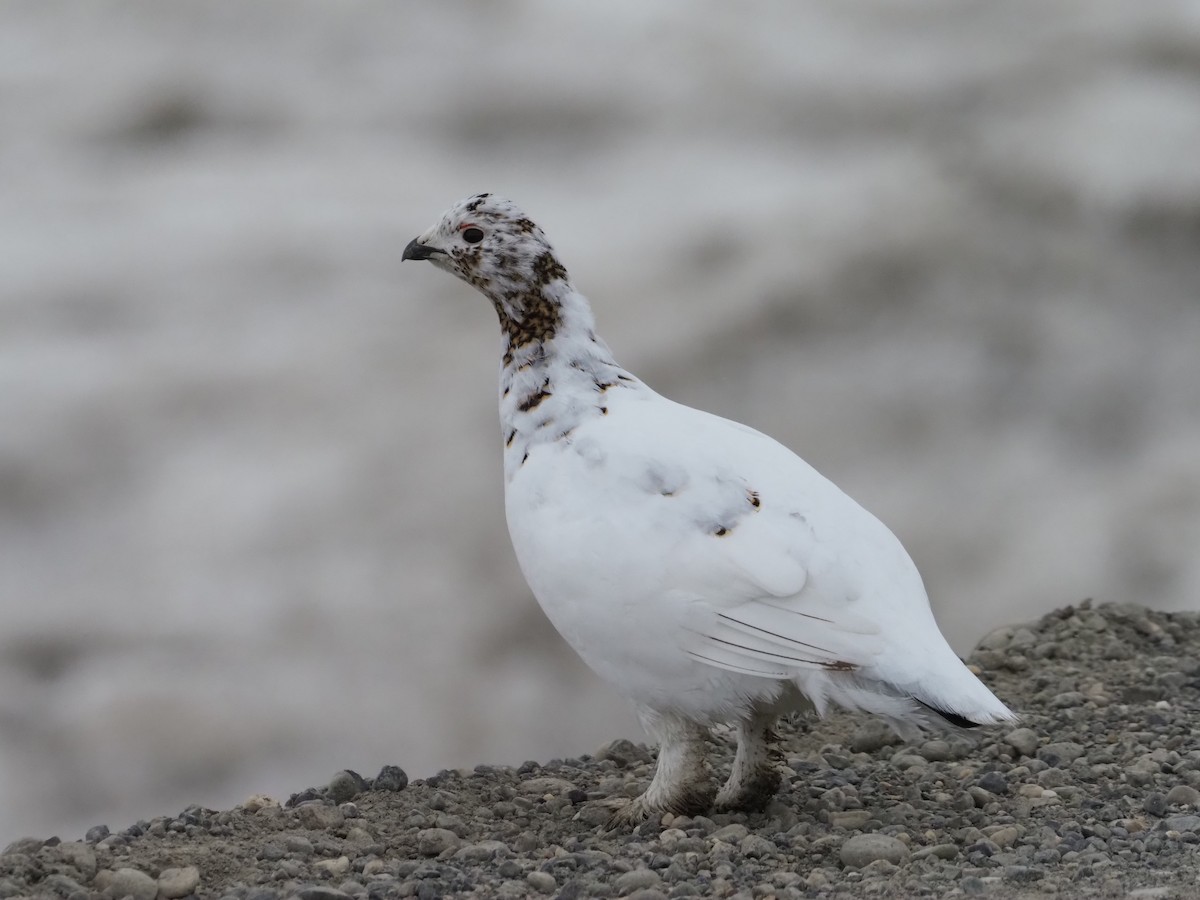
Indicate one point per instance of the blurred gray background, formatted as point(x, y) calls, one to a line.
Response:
point(251, 523)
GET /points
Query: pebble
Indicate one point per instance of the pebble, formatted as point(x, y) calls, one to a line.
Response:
point(1023, 740)
point(862, 849)
point(1183, 795)
point(335, 867)
point(993, 783)
point(345, 786)
point(178, 882)
point(79, 856)
point(436, 841)
point(872, 735)
point(132, 883)
point(542, 882)
point(636, 880)
point(319, 816)
point(390, 778)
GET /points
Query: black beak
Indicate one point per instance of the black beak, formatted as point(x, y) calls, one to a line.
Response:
point(416, 250)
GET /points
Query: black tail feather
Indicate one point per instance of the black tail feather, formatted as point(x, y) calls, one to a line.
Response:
point(952, 717)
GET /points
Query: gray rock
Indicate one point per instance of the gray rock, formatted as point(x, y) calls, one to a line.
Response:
point(1023, 740)
point(623, 752)
point(132, 883)
point(997, 639)
point(298, 844)
point(1155, 804)
point(1180, 823)
point(481, 851)
point(345, 786)
point(935, 751)
point(852, 819)
point(79, 856)
point(1061, 753)
point(756, 847)
point(319, 816)
point(940, 851)
point(872, 735)
point(730, 834)
point(321, 892)
point(993, 783)
point(863, 849)
point(390, 778)
point(436, 841)
point(546, 785)
point(57, 885)
point(637, 880)
point(178, 882)
point(1183, 795)
point(542, 882)
point(1022, 874)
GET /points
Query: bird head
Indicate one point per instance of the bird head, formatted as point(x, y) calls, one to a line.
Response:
point(490, 243)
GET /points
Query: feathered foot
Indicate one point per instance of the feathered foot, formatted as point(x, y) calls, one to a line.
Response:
point(755, 777)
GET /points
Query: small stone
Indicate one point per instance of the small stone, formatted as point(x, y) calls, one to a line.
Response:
point(940, 851)
point(390, 778)
point(972, 886)
point(436, 841)
point(546, 785)
point(1155, 804)
point(852, 819)
point(542, 882)
point(1023, 740)
point(935, 751)
point(132, 883)
point(1183, 795)
point(872, 735)
point(1005, 836)
point(80, 857)
point(730, 834)
point(178, 882)
point(863, 849)
point(993, 782)
point(319, 817)
point(637, 880)
point(756, 847)
point(335, 867)
point(1022, 874)
point(255, 802)
point(319, 892)
point(481, 851)
point(1180, 823)
point(1060, 753)
point(623, 752)
point(360, 837)
point(345, 786)
point(96, 833)
point(997, 639)
point(29, 845)
point(55, 885)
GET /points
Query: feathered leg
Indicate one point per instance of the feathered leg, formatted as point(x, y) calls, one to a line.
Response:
point(682, 782)
point(755, 778)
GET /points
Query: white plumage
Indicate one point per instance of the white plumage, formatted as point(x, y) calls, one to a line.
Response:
point(701, 567)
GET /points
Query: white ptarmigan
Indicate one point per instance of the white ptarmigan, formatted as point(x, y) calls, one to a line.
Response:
point(706, 571)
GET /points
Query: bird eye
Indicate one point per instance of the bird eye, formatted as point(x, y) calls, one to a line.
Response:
point(472, 235)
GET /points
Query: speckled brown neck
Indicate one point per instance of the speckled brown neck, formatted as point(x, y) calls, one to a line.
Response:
point(532, 314)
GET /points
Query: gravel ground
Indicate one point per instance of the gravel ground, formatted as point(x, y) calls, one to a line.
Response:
point(1094, 795)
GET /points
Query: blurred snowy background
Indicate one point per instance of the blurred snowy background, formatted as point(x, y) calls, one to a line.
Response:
point(251, 526)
